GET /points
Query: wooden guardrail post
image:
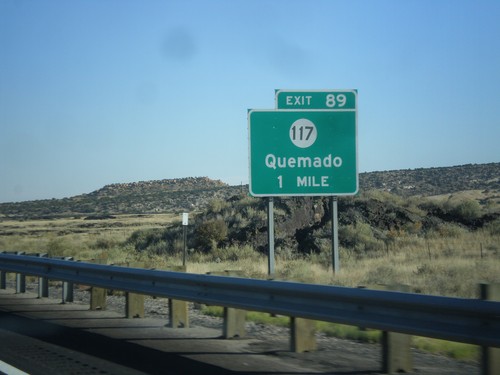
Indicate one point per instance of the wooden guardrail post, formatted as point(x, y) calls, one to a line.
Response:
point(234, 323)
point(302, 337)
point(234, 319)
point(490, 361)
point(43, 282)
point(67, 291)
point(20, 283)
point(98, 295)
point(396, 347)
point(20, 278)
point(3, 277)
point(178, 310)
point(97, 298)
point(178, 314)
point(134, 303)
point(67, 286)
point(396, 352)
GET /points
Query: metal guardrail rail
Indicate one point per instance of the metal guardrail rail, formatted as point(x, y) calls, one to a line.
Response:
point(455, 319)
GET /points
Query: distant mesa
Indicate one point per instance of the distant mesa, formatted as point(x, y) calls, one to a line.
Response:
point(176, 184)
point(195, 193)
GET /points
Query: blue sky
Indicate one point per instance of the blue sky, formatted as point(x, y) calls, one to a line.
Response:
point(100, 92)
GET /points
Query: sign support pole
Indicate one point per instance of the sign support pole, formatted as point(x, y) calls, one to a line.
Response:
point(270, 235)
point(335, 235)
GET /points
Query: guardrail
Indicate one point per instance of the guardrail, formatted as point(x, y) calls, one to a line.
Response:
point(455, 319)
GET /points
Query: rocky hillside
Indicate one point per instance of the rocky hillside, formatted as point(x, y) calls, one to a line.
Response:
point(302, 225)
point(194, 194)
point(145, 197)
point(434, 181)
point(157, 187)
point(397, 204)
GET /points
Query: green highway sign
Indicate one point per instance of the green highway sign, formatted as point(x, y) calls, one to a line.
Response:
point(304, 152)
point(316, 99)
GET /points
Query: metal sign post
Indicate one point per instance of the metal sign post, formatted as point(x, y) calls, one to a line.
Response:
point(335, 236)
point(270, 234)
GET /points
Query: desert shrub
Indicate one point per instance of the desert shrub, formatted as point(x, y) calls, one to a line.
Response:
point(384, 196)
point(494, 227)
point(142, 239)
point(359, 237)
point(430, 205)
point(238, 221)
point(279, 212)
point(413, 204)
point(382, 274)
point(466, 210)
point(413, 227)
point(285, 252)
point(246, 201)
point(217, 205)
point(447, 230)
point(57, 247)
point(251, 212)
point(211, 232)
point(301, 270)
point(324, 256)
point(158, 247)
point(103, 244)
point(233, 253)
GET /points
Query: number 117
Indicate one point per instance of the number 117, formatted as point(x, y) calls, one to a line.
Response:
point(309, 130)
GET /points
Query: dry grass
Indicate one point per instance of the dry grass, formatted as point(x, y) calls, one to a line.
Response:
point(77, 237)
point(490, 198)
point(451, 261)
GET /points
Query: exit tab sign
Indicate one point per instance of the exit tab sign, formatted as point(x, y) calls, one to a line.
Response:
point(316, 99)
point(305, 147)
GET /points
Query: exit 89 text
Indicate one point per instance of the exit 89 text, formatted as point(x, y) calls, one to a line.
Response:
point(331, 100)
